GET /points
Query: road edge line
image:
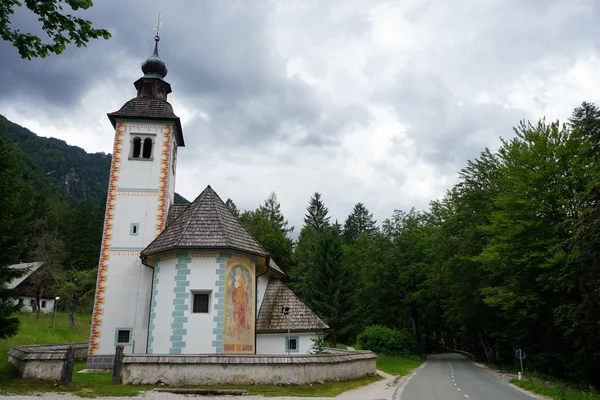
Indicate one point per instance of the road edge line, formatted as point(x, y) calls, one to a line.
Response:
point(404, 381)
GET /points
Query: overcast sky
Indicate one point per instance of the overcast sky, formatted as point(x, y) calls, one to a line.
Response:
point(380, 102)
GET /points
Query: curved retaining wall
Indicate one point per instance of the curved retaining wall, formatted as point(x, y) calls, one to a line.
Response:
point(187, 370)
point(44, 361)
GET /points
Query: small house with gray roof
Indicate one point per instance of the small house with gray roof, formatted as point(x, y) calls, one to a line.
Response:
point(176, 278)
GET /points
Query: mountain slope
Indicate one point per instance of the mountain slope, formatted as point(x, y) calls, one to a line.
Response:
point(74, 174)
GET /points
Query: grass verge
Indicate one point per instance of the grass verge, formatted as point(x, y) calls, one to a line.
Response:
point(548, 386)
point(556, 389)
point(398, 365)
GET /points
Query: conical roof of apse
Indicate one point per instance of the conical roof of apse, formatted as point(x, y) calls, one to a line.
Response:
point(207, 223)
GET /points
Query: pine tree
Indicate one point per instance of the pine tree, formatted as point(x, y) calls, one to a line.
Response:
point(302, 257)
point(17, 209)
point(316, 213)
point(359, 222)
point(327, 284)
point(273, 240)
point(271, 209)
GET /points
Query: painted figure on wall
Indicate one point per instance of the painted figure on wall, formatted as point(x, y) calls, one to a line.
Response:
point(240, 300)
point(238, 324)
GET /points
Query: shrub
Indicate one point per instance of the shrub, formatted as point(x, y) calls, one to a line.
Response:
point(384, 340)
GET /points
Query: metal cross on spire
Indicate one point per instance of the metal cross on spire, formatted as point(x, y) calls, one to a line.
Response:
point(158, 24)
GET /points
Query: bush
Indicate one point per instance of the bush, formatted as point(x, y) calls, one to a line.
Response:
point(383, 340)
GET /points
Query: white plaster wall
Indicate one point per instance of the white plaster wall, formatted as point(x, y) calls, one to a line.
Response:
point(26, 301)
point(122, 303)
point(128, 282)
point(202, 278)
point(199, 338)
point(140, 332)
point(274, 343)
point(262, 283)
point(164, 307)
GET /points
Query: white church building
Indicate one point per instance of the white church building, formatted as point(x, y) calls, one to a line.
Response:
point(174, 278)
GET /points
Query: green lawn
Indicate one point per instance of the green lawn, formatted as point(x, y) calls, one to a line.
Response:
point(40, 331)
point(398, 365)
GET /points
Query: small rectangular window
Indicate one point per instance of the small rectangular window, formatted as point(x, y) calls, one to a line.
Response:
point(123, 336)
point(43, 303)
point(200, 303)
point(134, 229)
point(292, 345)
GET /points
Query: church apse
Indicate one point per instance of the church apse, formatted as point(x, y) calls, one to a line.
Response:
point(239, 312)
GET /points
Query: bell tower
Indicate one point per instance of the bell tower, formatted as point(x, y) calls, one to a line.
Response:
point(141, 188)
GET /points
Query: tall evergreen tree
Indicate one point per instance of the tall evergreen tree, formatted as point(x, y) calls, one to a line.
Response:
point(359, 222)
point(271, 209)
point(580, 310)
point(316, 215)
point(277, 244)
point(328, 285)
point(15, 218)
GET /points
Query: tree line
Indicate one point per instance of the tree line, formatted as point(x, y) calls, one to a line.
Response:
point(509, 258)
point(38, 224)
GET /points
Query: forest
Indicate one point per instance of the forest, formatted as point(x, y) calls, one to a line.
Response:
point(508, 258)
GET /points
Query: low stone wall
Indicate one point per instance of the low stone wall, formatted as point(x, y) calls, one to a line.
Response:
point(221, 369)
point(44, 361)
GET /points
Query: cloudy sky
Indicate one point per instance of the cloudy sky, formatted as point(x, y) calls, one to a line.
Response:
point(380, 102)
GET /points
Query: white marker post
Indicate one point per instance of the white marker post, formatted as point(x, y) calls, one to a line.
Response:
point(521, 356)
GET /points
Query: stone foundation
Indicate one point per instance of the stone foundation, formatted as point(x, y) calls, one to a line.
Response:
point(100, 362)
point(188, 370)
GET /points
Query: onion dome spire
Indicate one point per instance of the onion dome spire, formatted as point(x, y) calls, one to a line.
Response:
point(154, 67)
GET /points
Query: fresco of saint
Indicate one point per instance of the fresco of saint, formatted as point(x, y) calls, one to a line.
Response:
point(238, 326)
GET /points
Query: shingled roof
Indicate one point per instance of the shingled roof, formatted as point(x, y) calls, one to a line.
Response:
point(175, 211)
point(271, 319)
point(206, 223)
point(148, 108)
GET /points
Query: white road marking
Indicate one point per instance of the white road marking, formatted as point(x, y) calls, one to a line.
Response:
point(458, 389)
point(467, 396)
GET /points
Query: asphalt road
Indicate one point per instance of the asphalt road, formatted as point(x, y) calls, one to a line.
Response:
point(452, 377)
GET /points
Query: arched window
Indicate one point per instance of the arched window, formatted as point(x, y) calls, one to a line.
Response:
point(137, 147)
point(147, 148)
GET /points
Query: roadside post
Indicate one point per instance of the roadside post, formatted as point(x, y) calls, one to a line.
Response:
point(521, 356)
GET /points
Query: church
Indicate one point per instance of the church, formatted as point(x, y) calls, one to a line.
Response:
point(179, 278)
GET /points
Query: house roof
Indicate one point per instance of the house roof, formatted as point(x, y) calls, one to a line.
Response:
point(32, 266)
point(271, 319)
point(148, 108)
point(206, 223)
